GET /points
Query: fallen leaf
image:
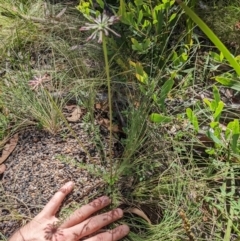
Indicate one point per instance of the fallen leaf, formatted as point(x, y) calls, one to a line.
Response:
point(115, 128)
point(98, 106)
point(106, 123)
point(136, 104)
point(138, 212)
point(75, 115)
point(103, 106)
point(8, 148)
point(70, 107)
point(205, 219)
point(2, 168)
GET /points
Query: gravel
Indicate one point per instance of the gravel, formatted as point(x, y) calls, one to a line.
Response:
point(40, 164)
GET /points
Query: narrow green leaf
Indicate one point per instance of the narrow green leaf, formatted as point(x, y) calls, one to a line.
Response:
point(164, 92)
point(216, 94)
point(217, 42)
point(233, 84)
point(235, 136)
point(101, 3)
point(140, 17)
point(218, 111)
point(208, 103)
point(157, 118)
point(211, 135)
point(173, 16)
point(193, 119)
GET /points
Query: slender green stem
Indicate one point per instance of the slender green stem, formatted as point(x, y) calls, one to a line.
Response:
point(109, 102)
point(228, 231)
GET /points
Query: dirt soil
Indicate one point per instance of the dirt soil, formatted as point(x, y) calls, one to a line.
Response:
point(34, 173)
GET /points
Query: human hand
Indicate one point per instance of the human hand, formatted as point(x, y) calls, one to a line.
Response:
point(80, 225)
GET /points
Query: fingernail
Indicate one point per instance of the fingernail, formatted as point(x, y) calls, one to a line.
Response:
point(125, 229)
point(70, 184)
point(120, 212)
point(105, 200)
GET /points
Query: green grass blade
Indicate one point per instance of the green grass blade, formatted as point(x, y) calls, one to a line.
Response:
point(217, 42)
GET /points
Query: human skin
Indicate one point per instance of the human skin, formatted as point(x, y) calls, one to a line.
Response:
point(80, 225)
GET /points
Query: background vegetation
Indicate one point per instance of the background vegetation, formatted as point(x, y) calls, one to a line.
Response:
point(176, 92)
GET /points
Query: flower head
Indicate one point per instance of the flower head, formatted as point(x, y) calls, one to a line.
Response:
point(38, 81)
point(100, 26)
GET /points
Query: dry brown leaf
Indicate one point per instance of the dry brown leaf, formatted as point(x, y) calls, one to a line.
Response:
point(103, 106)
point(138, 212)
point(8, 148)
point(136, 104)
point(75, 115)
point(106, 123)
point(98, 106)
point(115, 128)
point(70, 107)
point(2, 168)
point(205, 218)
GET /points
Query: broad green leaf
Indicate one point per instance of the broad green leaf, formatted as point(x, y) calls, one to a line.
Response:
point(224, 80)
point(235, 127)
point(173, 16)
point(164, 92)
point(210, 151)
point(193, 119)
point(140, 17)
point(139, 69)
point(158, 7)
point(215, 56)
point(146, 23)
point(208, 103)
point(233, 132)
point(216, 94)
point(101, 3)
point(154, 96)
point(218, 111)
point(235, 143)
point(157, 118)
point(146, 44)
point(136, 45)
point(211, 135)
point(147, 9)
point(138, 2)
point(142, 78)
point(174, 56)
point(233, 84)
point(184, 57)
point(214, 124)
point(122, 9)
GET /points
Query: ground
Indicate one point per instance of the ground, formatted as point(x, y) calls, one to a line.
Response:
point(40, 164)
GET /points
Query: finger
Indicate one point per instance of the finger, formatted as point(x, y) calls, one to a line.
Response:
point(112, 235)
point(86, 211)
point(95, 223)
point(54, 204)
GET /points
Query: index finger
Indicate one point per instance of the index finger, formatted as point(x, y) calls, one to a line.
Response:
point(54, 204)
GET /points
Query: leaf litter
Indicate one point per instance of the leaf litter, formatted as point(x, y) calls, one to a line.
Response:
point(7, 150)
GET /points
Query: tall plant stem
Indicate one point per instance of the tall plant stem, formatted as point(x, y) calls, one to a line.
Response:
point(109, 102)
